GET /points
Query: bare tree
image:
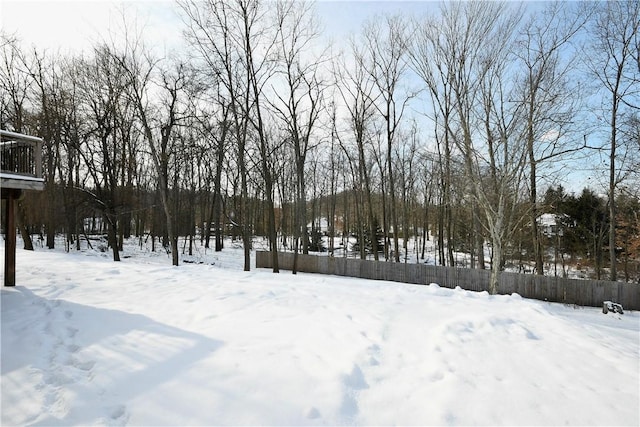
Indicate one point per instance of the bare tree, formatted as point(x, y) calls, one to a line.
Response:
point(386, 45)
point(15, 83)
point(430, 60)
point(235, 40)
point(485, 128)
point(159, 124)
point(498, 174)
point(547, 96)
point(613, 60)
point(41, 70)
point(406, 152)
point(101, 85)
point(299, 100)
point(215, 124)
point(356, 91)
point(333, 169)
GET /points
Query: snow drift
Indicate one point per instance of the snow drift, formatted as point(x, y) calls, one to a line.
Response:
point(86, 341)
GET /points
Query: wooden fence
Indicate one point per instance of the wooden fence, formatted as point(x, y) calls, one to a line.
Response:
point(544, 288)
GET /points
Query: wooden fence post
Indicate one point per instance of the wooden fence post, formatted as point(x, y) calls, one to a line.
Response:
point(552, 289)
point(10, 243)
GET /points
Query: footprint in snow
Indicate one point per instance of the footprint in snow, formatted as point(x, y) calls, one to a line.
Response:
point(57, 379)
point(118, 413)
point(355, 380)
point(313, 413)
point(436, 376)
point(373, 361)
point(84, 366)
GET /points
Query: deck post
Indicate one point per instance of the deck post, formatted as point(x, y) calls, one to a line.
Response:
point(21, 170)
point(10, 242)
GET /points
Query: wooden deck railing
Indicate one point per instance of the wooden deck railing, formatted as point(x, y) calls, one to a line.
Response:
point(20, 169)
point(20, 163)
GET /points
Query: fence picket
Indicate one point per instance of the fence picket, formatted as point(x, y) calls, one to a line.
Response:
point(545, 288)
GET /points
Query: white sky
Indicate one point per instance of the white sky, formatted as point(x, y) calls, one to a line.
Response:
point(76, 25)
point(72, 26)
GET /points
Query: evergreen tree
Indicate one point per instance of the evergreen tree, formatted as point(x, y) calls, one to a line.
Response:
point(590, 215)
point(368, 246)
point(316, 244)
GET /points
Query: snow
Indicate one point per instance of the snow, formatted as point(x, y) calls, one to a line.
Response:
point(6, 175)
point(86, 341)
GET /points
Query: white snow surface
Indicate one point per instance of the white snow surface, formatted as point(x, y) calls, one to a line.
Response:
point(86, 341)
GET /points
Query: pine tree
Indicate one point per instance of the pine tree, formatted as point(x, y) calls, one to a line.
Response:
point(316, 244)
point(368, 246)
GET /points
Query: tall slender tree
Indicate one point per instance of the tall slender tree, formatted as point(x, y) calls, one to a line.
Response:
point(613, 60)
point(298, 98)
point(356, 92)
point(548, 98)
point(387, 44)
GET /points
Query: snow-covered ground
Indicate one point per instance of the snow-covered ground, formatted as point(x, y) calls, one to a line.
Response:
point(86, 341)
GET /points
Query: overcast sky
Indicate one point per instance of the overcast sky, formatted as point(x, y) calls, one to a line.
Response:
point(76, 25)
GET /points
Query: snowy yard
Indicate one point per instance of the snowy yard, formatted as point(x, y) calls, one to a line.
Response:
point(86, 341)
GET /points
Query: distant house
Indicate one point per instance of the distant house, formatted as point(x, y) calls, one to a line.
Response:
point(552, 225)
point(322, 224)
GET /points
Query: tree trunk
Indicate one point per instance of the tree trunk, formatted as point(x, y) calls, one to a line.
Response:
point(112, 234)
point(479, 240)
point(217, 193)
point(535, 234)
point(244, 208)
point(495, 266)
point(613, 275)
point(392, 191)
point(271, 218)
point(22, 225)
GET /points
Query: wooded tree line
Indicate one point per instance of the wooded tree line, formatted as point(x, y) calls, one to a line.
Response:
point(581, 231)
point(446, 125)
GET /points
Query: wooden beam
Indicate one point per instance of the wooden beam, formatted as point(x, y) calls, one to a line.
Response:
point(10, 242)
point(22, 184)
point(5, 134)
